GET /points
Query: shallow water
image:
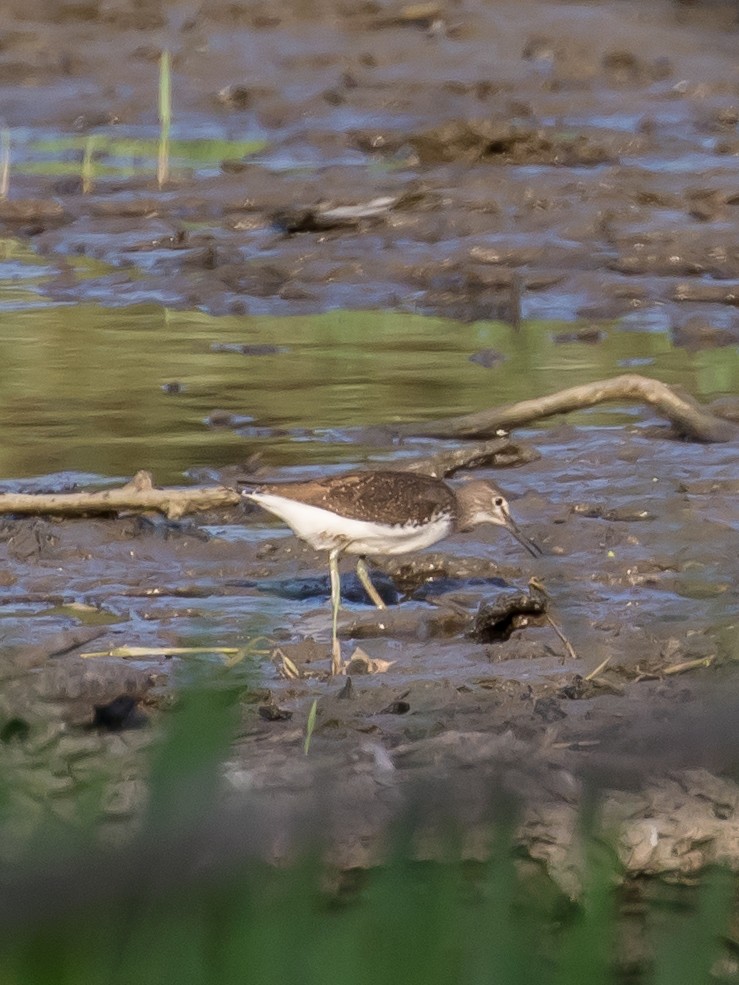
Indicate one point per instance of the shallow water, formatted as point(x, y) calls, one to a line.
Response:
point(105, 392)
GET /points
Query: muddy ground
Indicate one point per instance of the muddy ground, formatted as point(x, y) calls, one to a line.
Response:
point(553, 160)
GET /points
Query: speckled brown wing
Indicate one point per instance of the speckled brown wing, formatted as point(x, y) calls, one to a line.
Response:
point(390, 497)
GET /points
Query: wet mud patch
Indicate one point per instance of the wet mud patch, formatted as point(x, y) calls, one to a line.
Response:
point(593, 155)
point(645, 596)
point(529, 163)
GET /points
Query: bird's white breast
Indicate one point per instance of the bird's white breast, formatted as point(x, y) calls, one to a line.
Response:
point(325, 531)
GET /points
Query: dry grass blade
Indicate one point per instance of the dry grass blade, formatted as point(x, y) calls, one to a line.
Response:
point(310, 726)
point(361, 662)
point(286, 668)
point(598, 670)
point(143, 652)
point(577, 744)
point(688, 665)
point(609, 685)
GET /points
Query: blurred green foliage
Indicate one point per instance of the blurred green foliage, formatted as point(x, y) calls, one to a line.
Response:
point(171, 905)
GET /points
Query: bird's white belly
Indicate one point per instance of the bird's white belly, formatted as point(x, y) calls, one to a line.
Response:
point(325, 531)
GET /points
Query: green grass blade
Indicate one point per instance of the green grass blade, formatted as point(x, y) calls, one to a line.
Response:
point(165, 117)
point(88, 165)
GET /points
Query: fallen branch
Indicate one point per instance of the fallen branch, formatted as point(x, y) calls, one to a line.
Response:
point(498, 453)
point(689, 418)
point(139, 494)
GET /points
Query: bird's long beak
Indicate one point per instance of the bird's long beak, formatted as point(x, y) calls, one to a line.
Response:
point(514, 530)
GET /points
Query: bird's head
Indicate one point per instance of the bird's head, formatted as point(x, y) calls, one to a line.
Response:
point(482, 502)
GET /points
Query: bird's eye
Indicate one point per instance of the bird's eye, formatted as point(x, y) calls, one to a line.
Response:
point(499, 501)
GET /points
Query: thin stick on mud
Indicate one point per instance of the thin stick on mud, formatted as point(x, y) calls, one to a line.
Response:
point(538, 588)
point(565, 642)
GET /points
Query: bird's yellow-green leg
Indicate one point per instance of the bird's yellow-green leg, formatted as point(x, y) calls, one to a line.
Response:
point(364, 576)
point(333, 567)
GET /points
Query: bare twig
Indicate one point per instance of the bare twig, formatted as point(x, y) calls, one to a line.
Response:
point(537, 587)
point(565, 642)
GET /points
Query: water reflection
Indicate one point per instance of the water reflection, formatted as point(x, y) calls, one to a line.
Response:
point(109, 391)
